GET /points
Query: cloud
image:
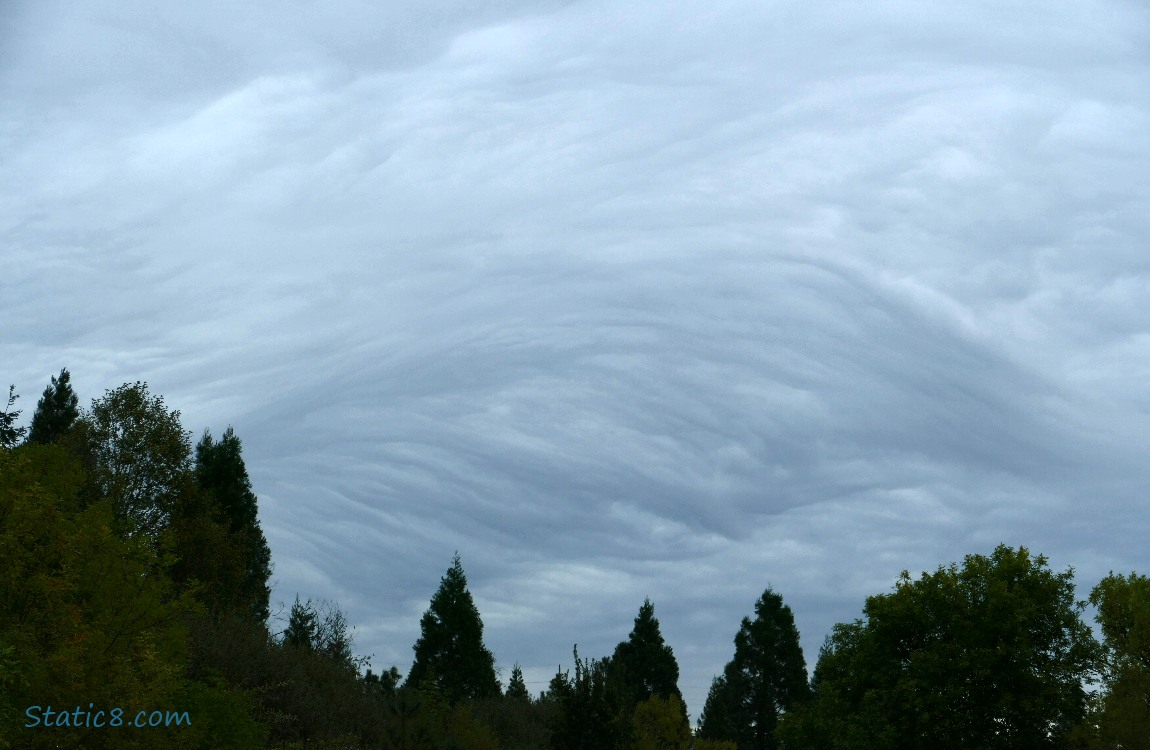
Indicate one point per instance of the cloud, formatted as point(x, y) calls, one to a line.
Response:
point(618, 300)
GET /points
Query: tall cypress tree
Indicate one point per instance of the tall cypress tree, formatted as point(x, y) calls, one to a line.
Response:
point(644, 665)
point(56, 411)
point(766, 678)
point(450, 651)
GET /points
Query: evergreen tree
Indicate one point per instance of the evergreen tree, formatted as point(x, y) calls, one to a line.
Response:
point(765, 679)
point(10, 435)
point(303, 625)
point(56, 411)
point(644, 665)
point(450, 651)
point(516, 687)
point(220, 470)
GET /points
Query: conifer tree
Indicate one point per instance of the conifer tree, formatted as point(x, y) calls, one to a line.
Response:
point(10, 435)
point(765, 679)
point(303, 623)
point(56, 411)
point(220, 470)
point(450, 653)
point(644, 664)
point(516, 687)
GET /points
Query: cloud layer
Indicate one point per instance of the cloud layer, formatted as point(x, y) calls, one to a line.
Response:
point(617, 299)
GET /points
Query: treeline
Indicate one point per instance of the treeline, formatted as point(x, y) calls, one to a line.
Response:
point(134, 575)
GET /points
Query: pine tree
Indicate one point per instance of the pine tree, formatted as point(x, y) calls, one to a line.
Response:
point(516, 687)
point(644, 664)
point(220, 470)
point(766, 678)
point(56, 411)
point(450, 652)
point(303, 624)
point(10, 435)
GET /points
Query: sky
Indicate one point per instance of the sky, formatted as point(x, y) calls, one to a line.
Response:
point(618, 299)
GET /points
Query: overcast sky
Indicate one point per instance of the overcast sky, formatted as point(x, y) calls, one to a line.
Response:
point(617, 298)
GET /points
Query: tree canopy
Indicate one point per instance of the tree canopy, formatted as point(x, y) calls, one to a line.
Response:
point(992, 654)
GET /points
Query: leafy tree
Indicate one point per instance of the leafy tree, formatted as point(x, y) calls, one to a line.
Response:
point(644, 664)
point(591, 711)
point(219, 470)
point(10, 435)
point(990, 655)
point(1123, 604)
point(89, 617)
point(56, 411)
point(140, 456)
point(450, 652)
point(660, 723)
point(384, 684)
point(766, 678)
point(516, 687)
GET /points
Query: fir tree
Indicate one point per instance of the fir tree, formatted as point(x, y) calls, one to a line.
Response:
point(450, 653)
point(220, 470)
point(644, 665)
point(516, 687)
point(766, 678)
point(303, 624)
point(10, 435)
point(56, 411)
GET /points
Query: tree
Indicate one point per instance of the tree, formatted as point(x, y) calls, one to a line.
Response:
point(140, 456)
point(450, 651)
point(1123, 604)
point(660, 723)
point(56, 411)
point(644, 664)
point(990, 655)
point(303, 625)
point(10, 435)
point(591, 710)
point(220, 470)
point(766, 678)
point(516, 687)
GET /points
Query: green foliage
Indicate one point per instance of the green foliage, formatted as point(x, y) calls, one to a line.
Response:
point(56, 411)
point(140, 456)
point(85, 616)
point(660, 723)
point(450, 653)
point(516, 687)
point(644, 665)
point(1123, 711)
point(701, 743)
point(766, 678)
point(220, 471)
point(592, 713)
point(990, 655)
point(10, 434)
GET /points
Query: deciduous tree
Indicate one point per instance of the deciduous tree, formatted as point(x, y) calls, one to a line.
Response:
point(1123, 604)
point(993, 654)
